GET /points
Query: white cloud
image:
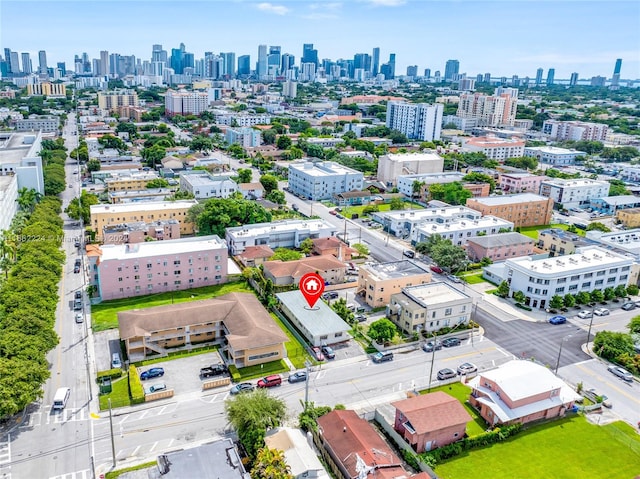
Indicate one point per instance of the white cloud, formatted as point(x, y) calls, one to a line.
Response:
point(326, 6)
point(271, 8)
point(319, 16)
point(386, 3)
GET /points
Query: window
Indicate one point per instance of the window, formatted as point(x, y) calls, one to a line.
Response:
point(120, 279)
point(601, 273)
point(447, 312)
point(176, 262)
point(177, 283)
point(176, 272)
point(586, 285)
point(613, 270)
point(562, 280)
point(573, 287)
point(611, 280)
point(575, 277)
point(598, 282)
point(560, 290)
point(529, 289)
point(136, 277)
point(149, 265)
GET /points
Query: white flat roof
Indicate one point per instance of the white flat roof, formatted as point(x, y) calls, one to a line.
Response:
point(554, 150)
point(326, 168)
point(419, 215)
point(395, 269)
point(159, 248)
point(585, 257)
point(464, 225)
point(430, 177)
point(574, 183)
point(414, 156)
point(280, 226)
point(509, 199)
point(433, 293)
point(319, 320)
point(142, 206)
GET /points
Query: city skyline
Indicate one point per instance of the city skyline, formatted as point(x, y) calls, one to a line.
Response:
point(531, 35)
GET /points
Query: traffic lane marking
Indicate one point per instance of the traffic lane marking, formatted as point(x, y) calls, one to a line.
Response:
point(608, 383)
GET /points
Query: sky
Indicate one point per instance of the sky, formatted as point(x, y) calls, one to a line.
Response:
point(500, 37)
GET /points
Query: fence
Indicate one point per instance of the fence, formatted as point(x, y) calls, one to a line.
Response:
point(216, 383)
point(168, 393)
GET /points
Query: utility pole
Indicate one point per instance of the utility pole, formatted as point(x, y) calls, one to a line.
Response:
point(113, 441)
point(433, 358)
point(306, 385)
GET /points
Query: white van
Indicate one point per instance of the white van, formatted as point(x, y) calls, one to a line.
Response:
point(61, 397)
point(115, 361)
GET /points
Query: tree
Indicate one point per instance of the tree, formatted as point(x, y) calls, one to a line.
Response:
point(362, 249)
point(245, 175)
point(598, 227)
point(476, 177)
point(396, 204)
point(81, 207)
point(519, 297)
point(270, 464)
point(283, 142)
point(93, 165)
point(609, 294)
point(448, 256)
point(632, 290)
point(269, 183)
point(340, 308)
point(618, 188)
point(569, 300)
point(285, 254)
point(382, 331)
point(620, 291)
point(153, 155)
point(503, 289)
point(128, 128)
point(524, 163)
point(634, 325)
point(214, 216)
point(157, 183)
point(27, 199)
point(397, 137)
point(201, 143)
point(306, 246)
point(416, 188)
point(556, 302)
point(583, 297)
point(611, 346)
point(251, 414)
point(597, 295)
point(276, 196)
point(269, 136)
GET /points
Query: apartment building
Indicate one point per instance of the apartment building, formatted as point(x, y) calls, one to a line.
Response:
point(494, 147)
point(499, 247)
point(559, 242)
point(378, 281)
point(575, 130)
point(138, 269)
point(44, 123)
point(112, 100)
point(47, 89)
point(422, 122)
point(20, 158)
point(134, 181)
point(588, 269)
point(148, 194)
point(495, 110)
point(140, 231)
point(106, 215)
point(278, 234)
point(403, 223)
point(552, 155)
point(243, 120)
point(185, 102)
point(630, 218)
point(520, 182)
point(322, 180)
point(458, 232)
point(245, 137)
point(429, 307)
point(203, 185)
point(283, 273)
point(575, 192)
point(524, 209)
point(406, 182)
point(393, 165)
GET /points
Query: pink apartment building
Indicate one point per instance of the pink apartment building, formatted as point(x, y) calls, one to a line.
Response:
point(499, 247)
point(520, 182)
point(125, 270)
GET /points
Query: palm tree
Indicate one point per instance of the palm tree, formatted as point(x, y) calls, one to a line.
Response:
point(416, 188)
point(27, 199)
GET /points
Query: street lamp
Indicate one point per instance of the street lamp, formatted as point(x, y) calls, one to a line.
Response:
point(560, 353)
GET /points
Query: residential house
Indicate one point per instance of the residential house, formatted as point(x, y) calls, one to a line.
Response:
point(251, 191)
point(525, 209)
point(553, 155)
point(575, 192)
point(284, 273)
point(332, 246)
point(378, 281)
point(520, 182)
point(238, 322)
point(203, 185)
point(298, 453)
point(172, 163)
point(520, 392)
point(253, 256)
point(610, 205)
point(459, 232)
point(428, 421)
point(498, 247)
point(403, 223)
point(351, 198)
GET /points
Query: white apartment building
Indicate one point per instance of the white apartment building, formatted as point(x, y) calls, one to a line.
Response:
point(245, 137)
point(393, 165)
point(573, 193)
point(588, 269)
point(204, 185)
point(496, 110)
point(185, 102)
point(458, 232)
point(8, 200)
point(429, 307)
point(419, 121)
point(279, 234)
point(323, 180)
point(243, 120)
point(405, 182)
point(553, 155)
point(46, 124)
point(20, 157)
point(496, 148)
point(575, 130)
point(403, 223)
point(464, 124)
point(325, 142)
point(631, 173)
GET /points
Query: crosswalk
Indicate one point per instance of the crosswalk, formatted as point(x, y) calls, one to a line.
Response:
point(5, 459)
point(44, 417)
point(84, 474)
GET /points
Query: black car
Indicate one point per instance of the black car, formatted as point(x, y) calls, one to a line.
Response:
point(446, 374)
point(215, 370)
point(76, 269)
point(78, 294)
point(449, 342)
point(152, 373)
point(328, 352)
point(428, 347)
point(298, 377)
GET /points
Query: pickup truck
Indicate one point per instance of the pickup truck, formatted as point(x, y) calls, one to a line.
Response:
point(215, 370)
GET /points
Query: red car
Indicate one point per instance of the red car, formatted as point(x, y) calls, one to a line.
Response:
point(317, 353)
point(436, 269)
point(333, 212)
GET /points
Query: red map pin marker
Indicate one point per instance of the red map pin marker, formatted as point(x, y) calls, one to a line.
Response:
point(312, 286)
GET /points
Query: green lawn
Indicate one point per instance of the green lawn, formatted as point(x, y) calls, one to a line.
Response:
point(119, 394)
point(105, 314)
point(569, 448)
point(347, 211)
point(473, 278)
point(296, 352)
point(532, 231)
point(261, 370)
point(461, 393)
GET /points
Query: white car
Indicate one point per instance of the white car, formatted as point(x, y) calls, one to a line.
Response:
point(601, 312)
point(584, 314)
point(79, 318)
point(621, 373)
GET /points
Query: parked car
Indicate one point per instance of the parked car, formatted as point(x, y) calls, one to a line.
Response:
point(449, 342)
point(330, 295)
point(361, 318)
point(152, 373)
point(241, 388)
point(629, 306)
point(428, 346)
point(270, 381)
point(446, 374)
point(584, 314)
point(339, 216)
point(409, 254)
point(78, 294)
point(76, 269)
point(382, 357)
point(295, 207)
point(333, 212)
point(436, 269)
point(467, 368)
point(215, 370)
point(154, 388)
point(453, 278)
point(601, 312)
point(621, 373)
point(328, 352)
point(557, 320)
point(79, 318)
point(76, 243)
point(317, 353)
point(298, 377)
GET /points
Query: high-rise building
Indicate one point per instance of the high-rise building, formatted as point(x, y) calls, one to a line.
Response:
point(289, 89)
point(389, 69)
point(375, 61)
point(274, 60)
point(574, 79)
point(177, 59)
point(112, 100)
point(104, 63)
point(244, 65)
point(550, 76)
point(15, 63)
point(288, 62)
point(42, 62)
point(7, 59)
point(615, 80)
point(598, 81)
point(427, 73)
point(451, 70)
point(62, 66)
point(479, 78)
point(229, 63)
point(185, 102)
point(26, 64)
point(419, 121)
point(487, 78)
point(498, 109)
point(412, 71)
point(539, 73)
point(261, 67)
point(309, 54)
point(158, 54)
point(466, 84)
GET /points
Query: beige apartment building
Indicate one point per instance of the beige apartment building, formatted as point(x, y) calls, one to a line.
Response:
point(112, 100)
point(46, 89)
point(630, 217)
point(135, 182)
point(377, 282)
point(524, 209)
point(148, 212)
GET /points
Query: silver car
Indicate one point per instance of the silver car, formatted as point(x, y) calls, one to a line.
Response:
point(621, 373)
point(601, 312)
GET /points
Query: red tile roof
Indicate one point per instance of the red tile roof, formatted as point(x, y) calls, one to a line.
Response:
point(432, 412)
point(303, 266)
point(253, 252)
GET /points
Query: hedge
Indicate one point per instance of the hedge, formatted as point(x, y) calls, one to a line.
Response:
point(135, 386)
point(109, 373)
point(235, 374)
